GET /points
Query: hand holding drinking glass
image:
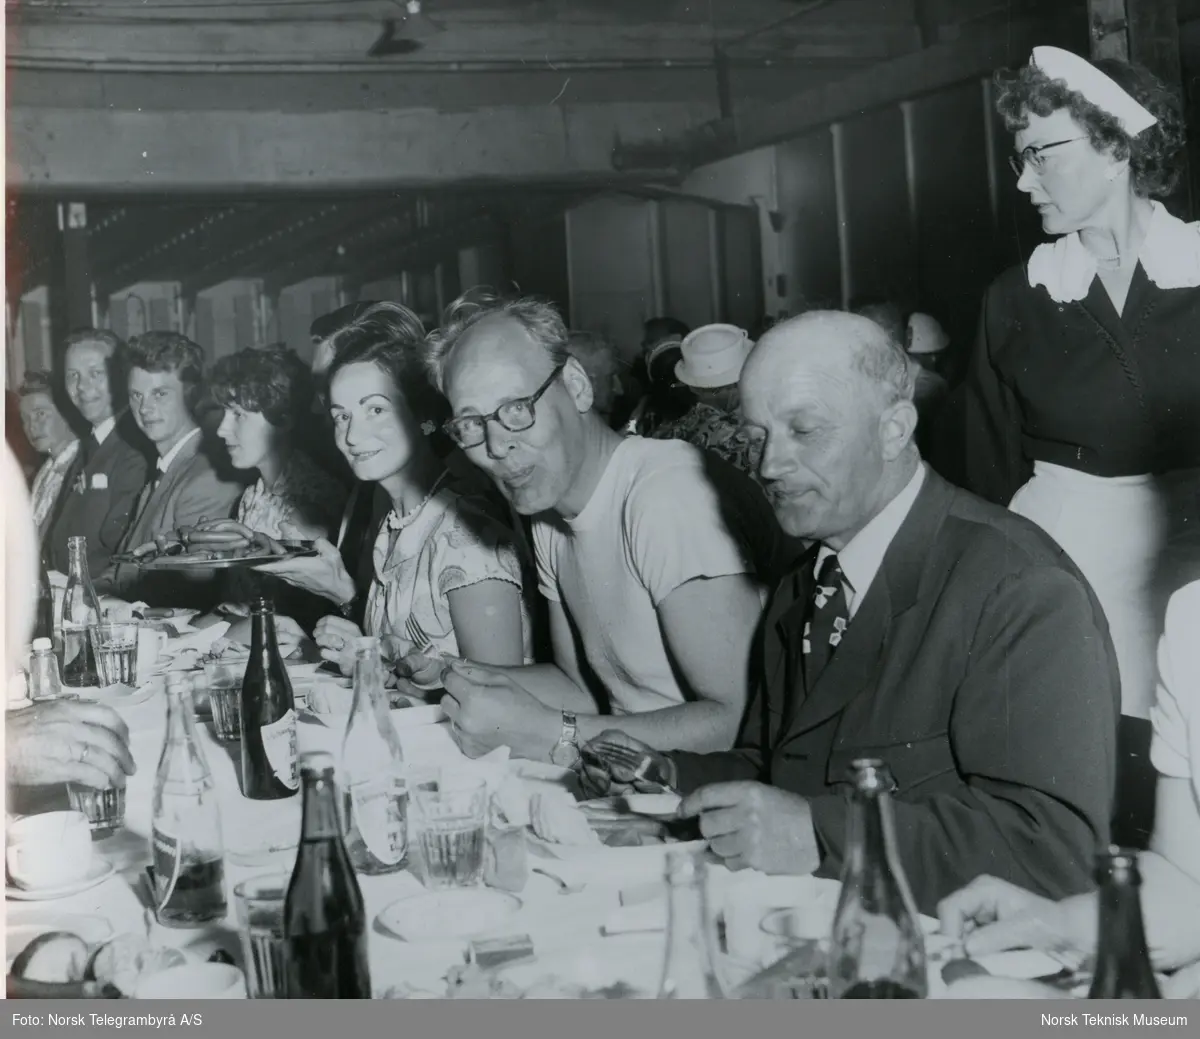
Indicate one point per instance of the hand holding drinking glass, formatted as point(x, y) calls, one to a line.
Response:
point(64, 741)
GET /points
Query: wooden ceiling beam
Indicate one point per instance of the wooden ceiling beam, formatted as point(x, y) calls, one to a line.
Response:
point(65, 151)
point(978, 51)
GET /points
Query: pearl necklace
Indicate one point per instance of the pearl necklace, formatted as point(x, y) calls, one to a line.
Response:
point(396, 522)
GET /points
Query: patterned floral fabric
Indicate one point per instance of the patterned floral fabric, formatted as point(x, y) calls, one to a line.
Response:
point(714, 430)
point(48, 483)
point(455, 540)
point(305, 500)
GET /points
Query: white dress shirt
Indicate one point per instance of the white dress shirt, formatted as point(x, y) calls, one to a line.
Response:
point(862, 557)
point(101, 431)
point(164, 463)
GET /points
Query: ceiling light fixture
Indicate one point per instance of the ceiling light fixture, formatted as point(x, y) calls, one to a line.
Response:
point(416, 24)
point(404, 36)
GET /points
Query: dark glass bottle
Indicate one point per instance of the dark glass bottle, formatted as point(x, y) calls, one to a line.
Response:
point(878, 948)
point(1123, 969)
point(268, 714)
point(324, 919)
point(80, 614)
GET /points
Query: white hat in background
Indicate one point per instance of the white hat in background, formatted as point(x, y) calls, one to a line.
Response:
point(926, 335)
point(713, 356)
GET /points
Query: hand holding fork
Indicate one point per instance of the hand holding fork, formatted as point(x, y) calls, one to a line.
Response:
point(614, 763)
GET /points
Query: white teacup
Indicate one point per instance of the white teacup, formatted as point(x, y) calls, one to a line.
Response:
point(49, 850)
point(193, 981)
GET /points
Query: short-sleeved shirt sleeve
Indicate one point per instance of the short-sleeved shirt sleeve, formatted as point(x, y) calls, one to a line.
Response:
point(677, 530)
point(546, 541)
point(1175, 716)
point(471, 546)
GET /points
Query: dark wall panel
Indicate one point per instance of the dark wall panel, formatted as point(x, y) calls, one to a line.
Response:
point(808, 208)
point(956, 239)
point(538, 257)
point(879, 230)
point(685, 233)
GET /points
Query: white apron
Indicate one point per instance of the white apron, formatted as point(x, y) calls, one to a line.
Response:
point(1135, 538)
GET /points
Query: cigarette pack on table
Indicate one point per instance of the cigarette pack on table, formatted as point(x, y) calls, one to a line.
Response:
point(487, 953)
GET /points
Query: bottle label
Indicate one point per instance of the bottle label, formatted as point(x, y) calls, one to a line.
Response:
point(279, 742)
point(168, 860)
point(379, 807)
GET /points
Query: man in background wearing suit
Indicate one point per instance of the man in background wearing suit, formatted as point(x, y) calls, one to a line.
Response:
point(165, 382)
point(924, 626)
point(100, 491)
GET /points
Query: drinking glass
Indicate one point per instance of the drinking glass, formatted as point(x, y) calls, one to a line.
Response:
point(225, 700)
point(453, 822)
point(115, 644)
point(259, 901)
point(105, 809)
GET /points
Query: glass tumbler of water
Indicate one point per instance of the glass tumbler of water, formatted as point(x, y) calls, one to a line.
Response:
point(105, 809)
point(115, 644)
point(453, 823)
point(259, 901)
point(225, 700)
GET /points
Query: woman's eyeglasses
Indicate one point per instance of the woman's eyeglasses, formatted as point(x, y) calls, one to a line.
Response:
point(515, 415)
point(1032, 156)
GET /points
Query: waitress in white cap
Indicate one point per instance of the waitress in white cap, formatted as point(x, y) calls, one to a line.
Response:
point(1081, 406)
point(710, 367)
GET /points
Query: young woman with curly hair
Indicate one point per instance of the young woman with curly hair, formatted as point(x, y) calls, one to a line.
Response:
point(1081, 409)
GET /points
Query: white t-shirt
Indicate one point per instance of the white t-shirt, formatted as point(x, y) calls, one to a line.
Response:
point(654, 522)
point(1175, 747)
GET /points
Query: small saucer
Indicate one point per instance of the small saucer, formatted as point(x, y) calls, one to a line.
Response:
point(100, 871)
point(454, 913)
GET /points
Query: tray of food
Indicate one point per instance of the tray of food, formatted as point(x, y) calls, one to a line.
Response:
point(213, 545)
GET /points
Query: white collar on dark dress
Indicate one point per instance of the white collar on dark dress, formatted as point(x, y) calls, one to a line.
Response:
point(1170, 256)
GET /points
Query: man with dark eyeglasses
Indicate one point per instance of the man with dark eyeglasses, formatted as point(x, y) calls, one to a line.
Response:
point(653, 556)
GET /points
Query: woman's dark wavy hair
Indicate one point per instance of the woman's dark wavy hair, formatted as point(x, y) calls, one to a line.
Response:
point(272, 381)
point(1152, 154)
point(397, 350)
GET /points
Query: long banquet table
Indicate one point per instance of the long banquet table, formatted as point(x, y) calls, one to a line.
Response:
point(616, 907)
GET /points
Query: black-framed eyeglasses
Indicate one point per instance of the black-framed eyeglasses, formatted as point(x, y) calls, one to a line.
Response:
point(1032, 156)
point(514, 415)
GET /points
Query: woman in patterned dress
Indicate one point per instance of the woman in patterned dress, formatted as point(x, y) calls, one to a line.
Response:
point(447, 563)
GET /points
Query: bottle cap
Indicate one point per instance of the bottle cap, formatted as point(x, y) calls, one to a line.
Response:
point(1118, 863)
point(42, 645)
point(872, 775)
point(262, 605)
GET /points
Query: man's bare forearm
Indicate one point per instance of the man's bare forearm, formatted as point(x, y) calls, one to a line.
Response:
point(551, 685)
point(703, 726)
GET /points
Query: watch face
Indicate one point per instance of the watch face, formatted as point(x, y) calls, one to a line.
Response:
point(565, 755)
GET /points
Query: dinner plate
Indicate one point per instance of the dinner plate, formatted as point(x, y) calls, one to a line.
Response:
point(100, 871)
point(194, 563)
point(455, 913)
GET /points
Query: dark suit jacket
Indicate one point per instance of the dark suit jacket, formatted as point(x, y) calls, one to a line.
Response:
point(980, 668)
point(188, 490)
point(100, 514)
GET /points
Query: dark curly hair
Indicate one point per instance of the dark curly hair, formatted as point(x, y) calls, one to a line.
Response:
point(160, 351)
point(272, 381)
point(395, 347)
point(1152, 154)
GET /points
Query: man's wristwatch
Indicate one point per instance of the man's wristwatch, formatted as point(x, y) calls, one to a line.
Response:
point(565, 753)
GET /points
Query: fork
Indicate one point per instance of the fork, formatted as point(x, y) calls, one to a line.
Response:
point(644, 767)
point(415, 634)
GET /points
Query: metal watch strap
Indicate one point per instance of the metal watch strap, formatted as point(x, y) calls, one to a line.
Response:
point(568, 737)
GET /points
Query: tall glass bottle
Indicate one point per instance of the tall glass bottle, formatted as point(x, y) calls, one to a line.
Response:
point(268, 714)
point(1123, 969)
point(185, 828)
point(80, 613)
point(877, 950)
point(689, 971)
point(372, 776)
point(324, 919)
